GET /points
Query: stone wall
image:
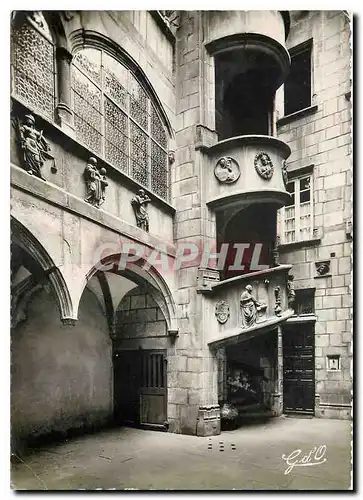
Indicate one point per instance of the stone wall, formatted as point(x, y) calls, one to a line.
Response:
point(140, 322)
point(323, 139)
point(61, 376)
point(194, 362)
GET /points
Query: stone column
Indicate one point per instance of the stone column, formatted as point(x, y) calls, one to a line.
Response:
point(64, 108)
point(277, 402)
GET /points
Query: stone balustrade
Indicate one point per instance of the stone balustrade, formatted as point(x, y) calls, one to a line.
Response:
point(247, 169)
point(245, 306)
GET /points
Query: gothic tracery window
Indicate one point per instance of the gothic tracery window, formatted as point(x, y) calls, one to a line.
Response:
point(115, 118)
point(32, 61)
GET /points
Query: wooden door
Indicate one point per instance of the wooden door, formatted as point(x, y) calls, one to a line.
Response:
point(140, 395)
point(153, 395)
point(299, 368)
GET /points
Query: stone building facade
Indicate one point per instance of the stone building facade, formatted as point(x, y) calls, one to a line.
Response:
point(181, 218)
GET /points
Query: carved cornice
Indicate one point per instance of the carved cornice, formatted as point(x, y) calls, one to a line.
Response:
point(237, 335)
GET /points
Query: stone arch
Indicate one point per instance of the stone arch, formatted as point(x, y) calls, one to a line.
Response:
point(151, 278)
point(24, 239)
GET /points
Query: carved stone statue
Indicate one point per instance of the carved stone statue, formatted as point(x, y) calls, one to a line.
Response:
point(285, 176)
point(291, 295)
point(139, 204)
point(278, 308)
point(35, 149)
point(95, 183)
point(250, 307)
point(275, 252)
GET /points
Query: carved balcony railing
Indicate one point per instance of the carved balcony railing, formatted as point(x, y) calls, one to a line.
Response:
point(247, 169)
point(243, 307)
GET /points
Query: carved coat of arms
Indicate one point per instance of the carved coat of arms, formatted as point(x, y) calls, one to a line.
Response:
point(264, 166)
point(222, 311)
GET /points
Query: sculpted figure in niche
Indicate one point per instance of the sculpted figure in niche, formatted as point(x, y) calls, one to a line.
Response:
point(139, 203)
point(34, 147)
point(95, 183)
point(250, 307)
point(291, 295)
point(285, 175)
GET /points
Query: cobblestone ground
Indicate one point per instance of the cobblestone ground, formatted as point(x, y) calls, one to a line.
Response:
point(249, 458)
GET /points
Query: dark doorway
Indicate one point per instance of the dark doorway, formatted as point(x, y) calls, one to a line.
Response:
point(140, 396)
point(299, 361)
point(254, 225)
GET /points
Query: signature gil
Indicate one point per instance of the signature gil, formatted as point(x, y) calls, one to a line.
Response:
point(297, 459)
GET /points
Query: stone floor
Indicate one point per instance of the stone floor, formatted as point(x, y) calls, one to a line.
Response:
point(249, 458)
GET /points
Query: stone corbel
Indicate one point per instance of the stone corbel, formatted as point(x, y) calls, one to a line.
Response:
point(173, 333)
point(206, 278)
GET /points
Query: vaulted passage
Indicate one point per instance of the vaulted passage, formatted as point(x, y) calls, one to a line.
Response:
point(61, 375)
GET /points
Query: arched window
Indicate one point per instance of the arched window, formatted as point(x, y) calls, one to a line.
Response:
point(32, 61)
point(115, 118)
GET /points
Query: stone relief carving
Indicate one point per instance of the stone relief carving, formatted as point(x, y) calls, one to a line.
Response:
point(96, 183)
point(171, 157)
point(35, 149)
point(275, 252)
point(264, 166)
point(291, 295)
point(227, 170)
point(222, 311)
point(139, 203)
point(250, 307)
point(322, 268)
point(170, 17)
point(285, 175)
point(278, 308)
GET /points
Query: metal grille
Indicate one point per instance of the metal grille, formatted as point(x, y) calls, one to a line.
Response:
point(32, 58)
point(115, 117)
point(159, 171)
point(117, 141)
point(152, 372)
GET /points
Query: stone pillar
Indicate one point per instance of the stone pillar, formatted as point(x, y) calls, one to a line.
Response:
point(277, 402)
point(64, 108)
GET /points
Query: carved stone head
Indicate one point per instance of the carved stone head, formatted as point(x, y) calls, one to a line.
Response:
point(171, 157)
point(103, 171)
point(30, 120)
point(92, 161)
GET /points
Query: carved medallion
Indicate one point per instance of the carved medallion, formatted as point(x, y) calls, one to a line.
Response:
point(227, 170)
point(222, 311)
point(263, 166)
